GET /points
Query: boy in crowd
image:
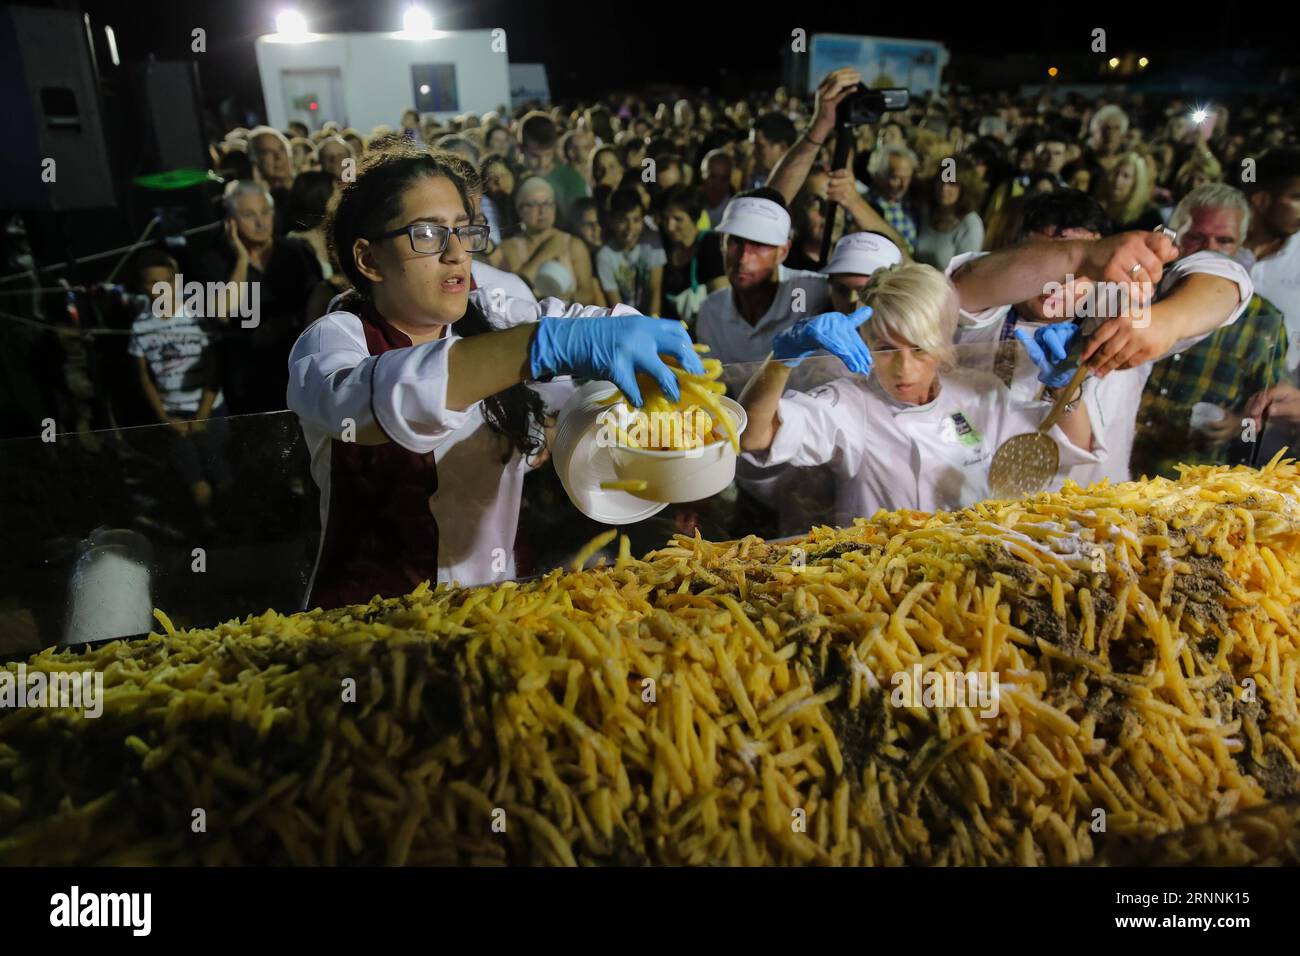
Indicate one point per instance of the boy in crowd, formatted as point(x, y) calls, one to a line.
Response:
point(179, 375)
point(630, 272)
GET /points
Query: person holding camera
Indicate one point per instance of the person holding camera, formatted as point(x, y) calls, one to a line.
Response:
point(792, 172)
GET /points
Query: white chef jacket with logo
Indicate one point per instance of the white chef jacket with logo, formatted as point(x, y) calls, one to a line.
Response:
point(888, 454)
point(1113, 401)
point(333, 377)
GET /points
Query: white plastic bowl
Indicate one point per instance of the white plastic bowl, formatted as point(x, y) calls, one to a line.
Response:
point(679, 476)
point(583, 463)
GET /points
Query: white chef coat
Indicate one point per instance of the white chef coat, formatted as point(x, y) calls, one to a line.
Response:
point(333, 377)
point(1277, 278)
point(1113, 401)
point(731, 339)
point(888, 454)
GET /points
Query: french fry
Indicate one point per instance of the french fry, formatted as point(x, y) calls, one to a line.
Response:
point(708, 703)
point(698, 395)
point(631, 484)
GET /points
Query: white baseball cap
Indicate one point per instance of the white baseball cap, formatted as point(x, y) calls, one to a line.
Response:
point(756, 219)
point(862, 253)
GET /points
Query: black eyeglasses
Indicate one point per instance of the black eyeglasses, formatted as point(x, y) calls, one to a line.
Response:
point(430, 239)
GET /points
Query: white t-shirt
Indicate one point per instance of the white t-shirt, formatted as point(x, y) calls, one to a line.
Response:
point(1277, 278)
point(888, 454)
point(1113, 401)
point(180, 354)
point(333, 377)
point(626, 272)
point(731, 339)
point(489, 278)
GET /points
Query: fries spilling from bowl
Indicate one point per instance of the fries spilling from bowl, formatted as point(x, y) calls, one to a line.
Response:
point(696, 420)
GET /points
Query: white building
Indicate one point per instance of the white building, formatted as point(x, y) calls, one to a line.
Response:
point(364, 80)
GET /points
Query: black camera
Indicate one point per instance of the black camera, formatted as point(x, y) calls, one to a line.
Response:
point(863, 105)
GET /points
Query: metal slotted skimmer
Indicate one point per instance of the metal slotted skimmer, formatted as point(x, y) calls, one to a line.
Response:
point(1026, 464)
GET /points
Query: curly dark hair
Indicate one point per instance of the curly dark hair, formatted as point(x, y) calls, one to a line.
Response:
point(368, 204)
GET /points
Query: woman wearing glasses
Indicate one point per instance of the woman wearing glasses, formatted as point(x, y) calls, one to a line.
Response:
point(419, 395)
point(549, 259)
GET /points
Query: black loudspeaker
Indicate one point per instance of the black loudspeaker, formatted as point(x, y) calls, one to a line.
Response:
point(49, 97)
point(171, 114)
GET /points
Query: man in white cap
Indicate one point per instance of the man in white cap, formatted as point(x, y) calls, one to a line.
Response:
point(764, 297)
point(856, 257)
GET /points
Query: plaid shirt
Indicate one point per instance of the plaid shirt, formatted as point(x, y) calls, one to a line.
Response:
point(899, 215)
point(1226, 369)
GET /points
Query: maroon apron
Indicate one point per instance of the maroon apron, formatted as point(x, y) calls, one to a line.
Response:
point(380, 536)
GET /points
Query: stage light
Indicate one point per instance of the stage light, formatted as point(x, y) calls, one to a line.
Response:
point(1143, 62)
point(417, 21)
point(1051, 71)
point(112, 45)
point(1114, 62)
point(291, 25)
point(1199, 114)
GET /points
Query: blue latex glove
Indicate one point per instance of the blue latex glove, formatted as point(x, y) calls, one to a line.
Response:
point(1049, 349)
point(835, 332)
point(615, 348)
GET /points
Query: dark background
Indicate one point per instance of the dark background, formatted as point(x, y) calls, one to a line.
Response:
point(724, 46)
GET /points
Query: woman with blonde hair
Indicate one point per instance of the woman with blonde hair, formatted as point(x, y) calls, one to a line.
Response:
point(1201, 169)
point(905, 400)
point(1125, 194)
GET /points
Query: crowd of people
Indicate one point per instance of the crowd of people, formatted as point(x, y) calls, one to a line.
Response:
point(950, 220)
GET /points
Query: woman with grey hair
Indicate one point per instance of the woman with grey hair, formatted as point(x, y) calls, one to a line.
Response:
point(266, 281)
point(1106, 133)
point(551, 261)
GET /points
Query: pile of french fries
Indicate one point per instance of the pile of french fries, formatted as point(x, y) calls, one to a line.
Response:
point(696, 420)
point(725, 702)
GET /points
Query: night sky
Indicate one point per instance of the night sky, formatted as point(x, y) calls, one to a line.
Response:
point(597, 47)
point(593, 48)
